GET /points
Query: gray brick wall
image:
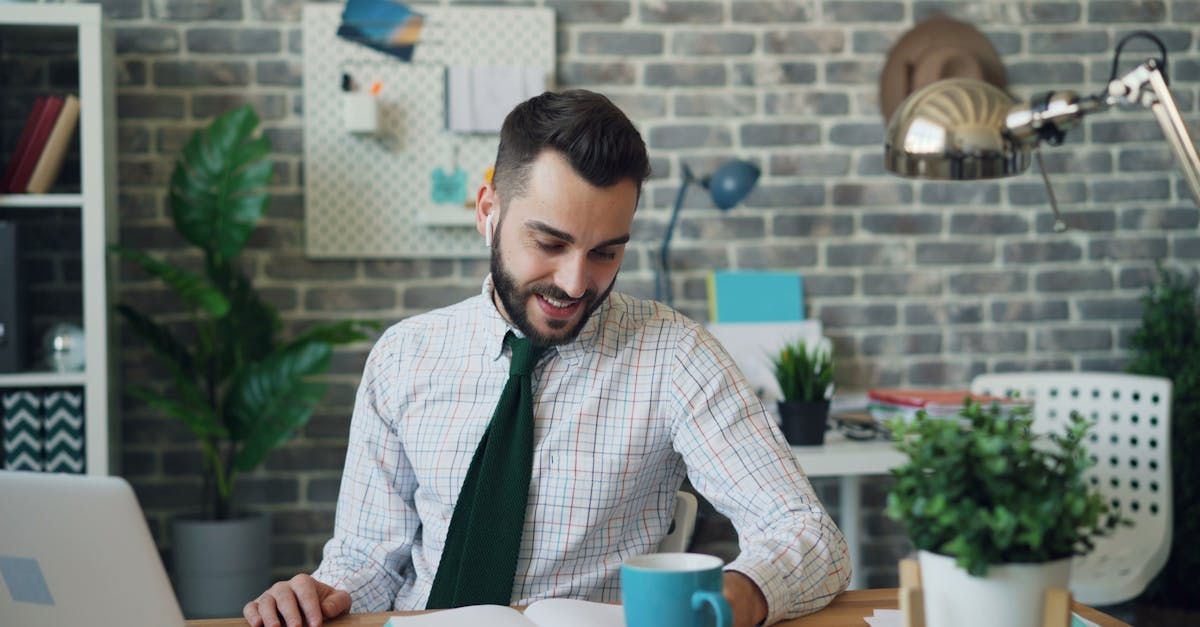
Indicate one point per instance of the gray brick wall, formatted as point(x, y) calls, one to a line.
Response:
point(920, 283)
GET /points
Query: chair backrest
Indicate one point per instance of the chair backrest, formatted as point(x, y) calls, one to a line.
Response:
point(1130, 445)
point(683, 523)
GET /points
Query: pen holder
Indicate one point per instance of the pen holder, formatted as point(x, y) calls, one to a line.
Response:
point(360, 113)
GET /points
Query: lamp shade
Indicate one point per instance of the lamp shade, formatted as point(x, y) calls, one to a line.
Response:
point(954, 130)
point(732, 182)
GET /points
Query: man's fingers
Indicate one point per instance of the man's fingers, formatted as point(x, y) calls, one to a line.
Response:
point(336, 604)
point(250, 613)
point(305, 590)
point(267, 610)
point(285, 604)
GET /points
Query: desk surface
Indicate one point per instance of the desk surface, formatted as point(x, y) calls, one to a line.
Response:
point(843, 457)
point(847, 610)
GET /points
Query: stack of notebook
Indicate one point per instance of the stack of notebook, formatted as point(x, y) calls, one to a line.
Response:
point(35, 163)
point(885, 404)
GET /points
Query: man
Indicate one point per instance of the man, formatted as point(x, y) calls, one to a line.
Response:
point(442, 505)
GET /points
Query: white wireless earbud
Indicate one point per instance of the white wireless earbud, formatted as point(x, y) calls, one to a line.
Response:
point(488, 227)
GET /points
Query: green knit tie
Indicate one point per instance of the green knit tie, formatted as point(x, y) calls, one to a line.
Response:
point(480, 558)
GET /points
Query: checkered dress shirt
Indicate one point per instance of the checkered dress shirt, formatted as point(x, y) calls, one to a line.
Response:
point(641, 398)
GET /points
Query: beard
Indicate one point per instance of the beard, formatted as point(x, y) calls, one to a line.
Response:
point(513, 298)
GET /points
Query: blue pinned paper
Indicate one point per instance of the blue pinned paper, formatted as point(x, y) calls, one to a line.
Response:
point(23, 578)
point(448, 189)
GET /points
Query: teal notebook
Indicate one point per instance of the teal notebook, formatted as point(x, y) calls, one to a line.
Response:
point(755, 296)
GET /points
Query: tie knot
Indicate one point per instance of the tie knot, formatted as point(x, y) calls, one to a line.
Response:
point(524, 355)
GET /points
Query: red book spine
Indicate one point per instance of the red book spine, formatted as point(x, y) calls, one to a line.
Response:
point(37, 141)
point(22, 143)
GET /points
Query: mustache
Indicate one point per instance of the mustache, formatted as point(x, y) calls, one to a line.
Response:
point(550, 290)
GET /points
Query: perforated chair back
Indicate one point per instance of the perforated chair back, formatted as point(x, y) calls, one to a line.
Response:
point(683, 523)
point(1130, 445)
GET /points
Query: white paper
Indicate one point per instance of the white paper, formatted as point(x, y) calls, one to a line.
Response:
point(885, 618)
point(544, 613)
point(471, 616)
point(752, 344)
point(479, 98)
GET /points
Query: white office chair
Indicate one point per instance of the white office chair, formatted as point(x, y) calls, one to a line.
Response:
point(1132, 449)
point(683, 523)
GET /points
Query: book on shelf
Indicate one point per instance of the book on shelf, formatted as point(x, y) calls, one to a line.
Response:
point(37, 142)
point(42, 430)
point(544, 613)
point(49, 163)
point(14, 159)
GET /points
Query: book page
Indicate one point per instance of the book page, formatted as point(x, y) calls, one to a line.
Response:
point(574, 613)
point(472, 616)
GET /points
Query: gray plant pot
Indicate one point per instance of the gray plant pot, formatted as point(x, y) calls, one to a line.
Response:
point(220, 565)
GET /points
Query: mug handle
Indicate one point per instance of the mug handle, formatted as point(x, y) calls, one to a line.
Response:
point(719, 605)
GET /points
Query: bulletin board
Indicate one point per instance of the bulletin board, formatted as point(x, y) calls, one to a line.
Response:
point(370, 196)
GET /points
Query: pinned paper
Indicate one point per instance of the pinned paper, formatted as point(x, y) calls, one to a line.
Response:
point(478, 98)
point(448, 188)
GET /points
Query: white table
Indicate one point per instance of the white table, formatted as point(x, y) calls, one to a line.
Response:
point(849, 460)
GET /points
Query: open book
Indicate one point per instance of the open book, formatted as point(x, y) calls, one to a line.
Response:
point(544, 613)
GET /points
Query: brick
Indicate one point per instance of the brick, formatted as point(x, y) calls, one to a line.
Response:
point(806, 103)
point(1054, 73)
point(1077, 162)
point(132, 140)
point(1073, 280)
point(902, 223)
point(724, 227)
point(278, 73)
point(299, 522)
point(1137, 278)
point(353, 299)
point(855, 134)
point(1111, 132)
point(991, 282)
point(872, 194)
point(1006, 43)
point(146, 39)
point(1183, 218)
point(681, 12)
point(972, 193)
point(1089, 221)
point(293, 267)
point(277, 10)
point(1175, 41)
point(689, 136)
point(870, 164)
point(182, 463)
point(774, 73)
point(987, 223)
point(268, 106)
point(285, 140)
point(143, 171)
point(1033, 365)
point(130, 73)
point(620, 43)
point(769, 11)
point(1073, 339)
point(1042, 251)
point(1069, 42)
point(692, 258)
point(200, 73)
point(788, 195)
point(820, 285)
point(1122, 190)
point(942, 314)
point(122, 9)
point(824, 41)
point(702, 44)
point(264, 491)
point(191, 11)
point(776, 134)
point(987, 342)
point(892, 344)
point(1125, 11)
point(1104, 364)
point(589, 11)
point(1146, 159)
point(1050, 12)
point(1009, 310)
point(853, 72)
point(1034, 193)
point(776, 255)
point(862, 11)
point(1185, 11)
point(580, 73)
point(808, 225)
point(685, 74)
point(955, 253)
point(227, 40)
point(715, 105)
point(132, 106)
point(1110, 308)
point(854, 316)
point(1128, 248)
point(943, 372)
point(173, 493)
point(296, 458)
point(873, 41)
point(901, 284)
point(640, 106)
point(824, 164)
point(867, 254)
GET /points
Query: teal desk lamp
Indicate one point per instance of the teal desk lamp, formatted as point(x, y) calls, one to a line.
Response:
point(727, 186)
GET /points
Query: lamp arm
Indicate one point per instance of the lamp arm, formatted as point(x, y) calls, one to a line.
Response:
point(662, 285)
point(1159, 100)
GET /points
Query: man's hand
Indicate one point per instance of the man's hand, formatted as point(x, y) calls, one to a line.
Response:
point(299, 601)
point(745, 599)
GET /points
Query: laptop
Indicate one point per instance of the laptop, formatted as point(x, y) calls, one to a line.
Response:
point(75, 551)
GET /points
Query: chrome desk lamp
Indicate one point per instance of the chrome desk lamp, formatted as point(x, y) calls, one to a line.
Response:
point(962, 129)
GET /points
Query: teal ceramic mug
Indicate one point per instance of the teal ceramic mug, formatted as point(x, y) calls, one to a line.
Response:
point(674, 590)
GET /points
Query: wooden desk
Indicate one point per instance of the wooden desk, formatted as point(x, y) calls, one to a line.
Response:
point(847, 610)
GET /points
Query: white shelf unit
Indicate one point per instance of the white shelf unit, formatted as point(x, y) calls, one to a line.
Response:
point(96, 203)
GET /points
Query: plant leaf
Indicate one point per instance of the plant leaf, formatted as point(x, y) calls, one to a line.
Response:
point(161, 340)
point(194, 289)
point(198, 417)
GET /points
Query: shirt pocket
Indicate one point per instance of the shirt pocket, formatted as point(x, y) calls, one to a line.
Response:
point(587, 494)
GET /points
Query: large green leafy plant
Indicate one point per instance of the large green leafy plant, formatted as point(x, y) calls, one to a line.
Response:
point(984, 489)
point(1168, 345)
point(804, 373)
point(238, 386)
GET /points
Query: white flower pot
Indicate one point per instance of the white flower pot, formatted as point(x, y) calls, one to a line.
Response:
point(1010, 595)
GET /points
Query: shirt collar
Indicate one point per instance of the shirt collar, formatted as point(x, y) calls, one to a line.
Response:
point(495, 328)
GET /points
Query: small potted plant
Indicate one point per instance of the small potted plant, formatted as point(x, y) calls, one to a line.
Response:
point(805, 377)
point(233, 380)
point(995, 511)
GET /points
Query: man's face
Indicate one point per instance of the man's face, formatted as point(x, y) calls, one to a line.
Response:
point(557, 249)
